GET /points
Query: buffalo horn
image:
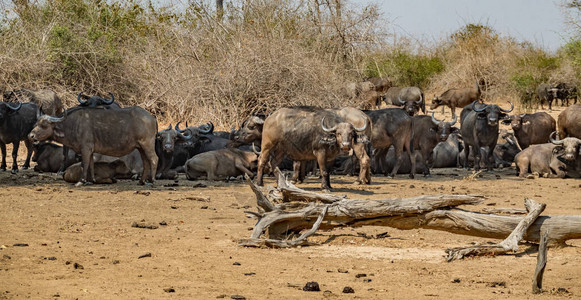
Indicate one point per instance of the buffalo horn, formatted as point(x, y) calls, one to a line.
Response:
point(15, 108)
point(400, 101)
point(557, 141)
point(210, 128)
point(477, 109)
point(83, 102)
point(254, 150)
point(455, 118)
point(420, 101)
point(328, 129)
point(184, 137)
point(109, 101)
point(508, 110)
point(177, 128)
point(434, 120)
point(363, 128)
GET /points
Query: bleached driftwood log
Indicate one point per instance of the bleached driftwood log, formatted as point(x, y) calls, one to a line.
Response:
point(429, 212)
point(541, 264)
point(509, 244)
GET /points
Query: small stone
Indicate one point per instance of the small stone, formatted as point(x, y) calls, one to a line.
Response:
point(360, 275)
point(236, 263)
point(367, 280)
point(342, 270)
point(237, 297)
point(311, 286)
point(204, 207)
point(6, 256)
point(456, 280)
point(116, 261)
point(163, 223)
point(78, 266)
point(169, 290)
point(249, 274)
point(20, 245)
point(348, 290)
point(412, 186)
point(148, 254)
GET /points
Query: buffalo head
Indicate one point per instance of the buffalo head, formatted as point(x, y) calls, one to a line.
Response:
point(570, 146)
point(46, 128)
point(8, 108)
point(443, 129)
point(169, 137)
point(250, 131)
point(410, 106)
point(436, 102)
point(94, 101)
point(344, 133)
point(491, 112)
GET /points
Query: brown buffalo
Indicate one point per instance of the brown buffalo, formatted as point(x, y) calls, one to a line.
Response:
point(569, 124)
point(105, 172)
point(531, 128)
point(221, 163)
point(457, 98)
point(46, 100)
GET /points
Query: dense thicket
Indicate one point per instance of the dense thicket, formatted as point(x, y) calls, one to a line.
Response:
point(194, 62)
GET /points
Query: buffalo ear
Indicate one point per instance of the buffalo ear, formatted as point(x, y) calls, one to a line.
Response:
point(454, 129)
point(481, 115)
point(506, 121)
point(503, 116)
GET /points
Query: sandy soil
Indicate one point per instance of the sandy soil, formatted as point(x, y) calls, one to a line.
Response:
point(81, 243)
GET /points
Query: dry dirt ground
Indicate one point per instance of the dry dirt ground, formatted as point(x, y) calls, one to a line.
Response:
point(80, 243)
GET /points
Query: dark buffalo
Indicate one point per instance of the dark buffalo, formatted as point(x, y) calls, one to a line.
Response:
point(203, 139)
point(564, 92)
point(221, 163)
point(391, 126)
point(446, 154)
point(16, 122)
point(49, 157)
point(427, 132)
point(543, 94)
point(457, 98)
point(569, 124)
point(531, 128)
point(105, 172)
point(405, 166)
point(110, 132)
point(196, 135)
point(249, 132)
point(94, 101)
point(503, 154)
point(480, 129)
point(569, 148)
point(47, 100)
point(132, 161)
point(303, 133)
point(166, 141)
point(411, 98)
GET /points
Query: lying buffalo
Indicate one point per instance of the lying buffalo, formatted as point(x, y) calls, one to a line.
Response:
point(446, 154)
point(16, 121)
point(105, 172)
point(411, 98)
point(49, 157)
point(166, 142)
point(94, 101)
point(427, 133)
point(221, 163)
point(539, 159)
point(109, 132)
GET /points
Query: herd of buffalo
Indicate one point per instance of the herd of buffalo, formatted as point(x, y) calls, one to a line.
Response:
point(99, 141)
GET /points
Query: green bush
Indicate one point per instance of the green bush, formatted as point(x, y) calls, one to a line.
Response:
point(406, 69)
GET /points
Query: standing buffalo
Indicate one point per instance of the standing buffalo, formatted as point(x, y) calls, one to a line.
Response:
point(411, 98)
point(303, 133)
point(427, 133)
point(457, 98)
point(564, 92)
point(391, 126)
point(110, 132)
point(570, 122)
point(221, 163)
point(543, 94)
point(16, 122)
point(531, 128)
point(480, 129)
point(46, 100)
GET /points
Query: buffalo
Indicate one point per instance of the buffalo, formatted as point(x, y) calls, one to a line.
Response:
point(391, 126)
point(46, 100)
point(564, 92)
point(166, 141)
point(221, 163)
point(16, 122)
point(457, 98)
point(303, 133)
point(503, 154)
point(104, 172)
point(539, 159)
point(569, 124)
point(94, 101)
point(132, 161)
point(110, 132)
point(411, 98)
point(49, 157)
point(427, 133)
point(446, 154)
point(480, 129)
point(531, 128)
point(543, 94)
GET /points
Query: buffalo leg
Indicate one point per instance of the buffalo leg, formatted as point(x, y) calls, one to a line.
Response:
point(298, 172)
point(491, 161)
point(364, 164)
point(240, 166)
point(466, 154)
point(325, 178)
point(3, 148)
point(15, 147)
point(29, 149)
point(65, 160)
point(87, 157)
point(150, 160)
point(262, 159)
